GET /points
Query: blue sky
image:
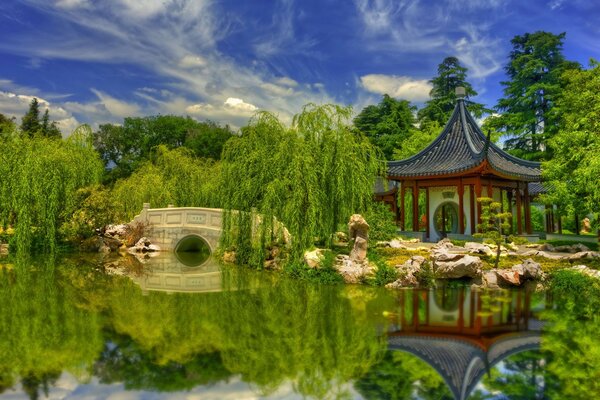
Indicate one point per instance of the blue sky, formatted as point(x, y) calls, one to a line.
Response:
point(98, 61)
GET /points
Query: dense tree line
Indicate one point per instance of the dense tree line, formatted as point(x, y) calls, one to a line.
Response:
point(54, 188)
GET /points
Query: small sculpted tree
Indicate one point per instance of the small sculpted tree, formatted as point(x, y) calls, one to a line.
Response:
point(494, 224)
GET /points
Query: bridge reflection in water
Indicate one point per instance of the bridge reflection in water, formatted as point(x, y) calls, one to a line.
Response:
point(462, 333)
point(168, 273)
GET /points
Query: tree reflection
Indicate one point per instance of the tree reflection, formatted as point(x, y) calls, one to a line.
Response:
point(43, 330)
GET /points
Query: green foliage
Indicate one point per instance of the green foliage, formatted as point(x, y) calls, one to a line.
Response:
point(382, 222)
point(171, 177)
point(401, 376)
point(528, 115)
point(44, 330)
point(325, 274)
point(572, 173)
point(124, 148)
point(7, 125)
point(494, 224)
point(32, 124)
point(311, 176)
point(40, 180)
point(421, 138)
point(387, 124)
point(451, 74)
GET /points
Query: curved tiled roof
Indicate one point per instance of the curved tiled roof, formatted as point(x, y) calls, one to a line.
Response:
point(462, 146)
point(461, 363)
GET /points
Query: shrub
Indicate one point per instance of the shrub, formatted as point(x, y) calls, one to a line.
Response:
point(382, 222)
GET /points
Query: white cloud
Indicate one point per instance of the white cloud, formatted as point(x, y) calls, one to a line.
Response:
point(416, 28)
point(73, 3)
point(285, 81)
point(239, 105)
point(477, 53)
point(192, 61)
point(117, 107)
point(277, 90)
point(402, 87)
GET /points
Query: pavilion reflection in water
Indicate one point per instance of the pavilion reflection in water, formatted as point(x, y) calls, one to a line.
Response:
point(462, 332)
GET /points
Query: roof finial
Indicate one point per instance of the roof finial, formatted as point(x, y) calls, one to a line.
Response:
point(460, 92)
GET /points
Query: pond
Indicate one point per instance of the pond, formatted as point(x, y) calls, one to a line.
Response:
point(82, 327)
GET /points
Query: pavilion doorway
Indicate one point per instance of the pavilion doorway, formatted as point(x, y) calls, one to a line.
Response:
point(446, 219)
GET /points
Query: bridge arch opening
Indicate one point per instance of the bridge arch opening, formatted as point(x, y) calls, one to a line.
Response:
point(192, 250)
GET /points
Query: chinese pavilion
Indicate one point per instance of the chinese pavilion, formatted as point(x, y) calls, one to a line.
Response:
point(458, 167)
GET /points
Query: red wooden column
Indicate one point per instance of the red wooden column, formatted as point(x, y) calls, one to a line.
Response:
point(427, 228)
point(472, 207)
point(461, 208)
point(415, 206)
point(478, 194)
point(402, 205)
point(519, 221)
point(527, 210)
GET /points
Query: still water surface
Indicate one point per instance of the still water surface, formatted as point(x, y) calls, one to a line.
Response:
point(84, 328)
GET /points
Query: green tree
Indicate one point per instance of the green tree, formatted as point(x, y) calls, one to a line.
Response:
point(30, 123)
point(451, 74)
point(528, 118)
point(49, 128)
point(299, 174)
point(207, 139)
point(40, 179)
point(494, 224)
point(387, 124)
point(7, 125)
point(124, 148)
point(573, 172)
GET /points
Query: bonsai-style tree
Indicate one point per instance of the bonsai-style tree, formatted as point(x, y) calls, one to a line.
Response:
point(494, 224)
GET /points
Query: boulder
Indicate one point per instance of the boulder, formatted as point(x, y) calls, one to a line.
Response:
point(397, 244)
point(353, 271)
point(143, 246)
point(445, 255)
point(408, 280)
point(407, 273)
point(359, 232)
point(443, 244)
point(359, 251)
point(529, 269)
point(118, 231)
point(490, 280)
point(583, 255)
point(313, 258)
point(466, 266)
point(478, 248)
point(509, 276)
point(3, 249)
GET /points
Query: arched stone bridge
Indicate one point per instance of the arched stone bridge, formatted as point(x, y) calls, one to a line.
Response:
point(167, 227)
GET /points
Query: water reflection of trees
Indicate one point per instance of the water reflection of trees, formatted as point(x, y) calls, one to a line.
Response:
point(317, 338)
point(44, 330)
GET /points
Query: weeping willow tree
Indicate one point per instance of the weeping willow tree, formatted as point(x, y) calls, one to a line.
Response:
point(171, 177)
point(311, 176)
point(40, 177)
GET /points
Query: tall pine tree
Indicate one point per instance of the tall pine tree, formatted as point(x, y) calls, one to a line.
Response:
point(451, 74)
point(527, 118)
point(32, 124)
